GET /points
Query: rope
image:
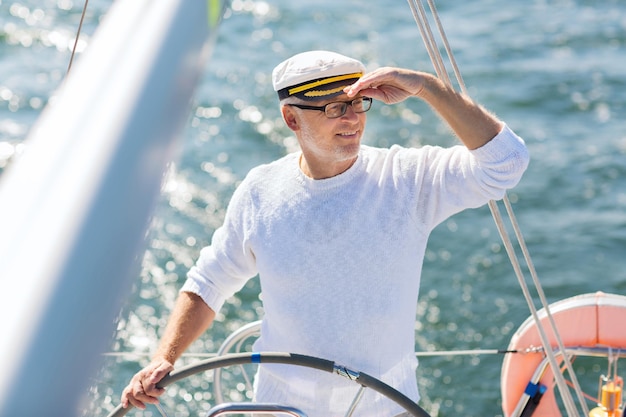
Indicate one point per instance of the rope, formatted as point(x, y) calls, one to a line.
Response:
point(80, 26)
point(433, 51)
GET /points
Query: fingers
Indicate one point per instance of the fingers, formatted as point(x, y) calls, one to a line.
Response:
point(375, 79)
point(143, 389)
point(389, 85)
point(362, 86)
point(386, 93)
point(159, 372)
point(136, 396)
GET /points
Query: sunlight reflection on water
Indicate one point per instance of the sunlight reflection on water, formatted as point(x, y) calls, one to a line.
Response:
point(552, 70)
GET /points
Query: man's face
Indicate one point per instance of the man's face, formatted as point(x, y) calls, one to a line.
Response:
point(329, 140)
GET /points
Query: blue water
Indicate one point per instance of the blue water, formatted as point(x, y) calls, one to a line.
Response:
point(554, 70)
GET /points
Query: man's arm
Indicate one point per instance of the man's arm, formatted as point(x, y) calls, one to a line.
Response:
point(190, 318)
point(474, 125)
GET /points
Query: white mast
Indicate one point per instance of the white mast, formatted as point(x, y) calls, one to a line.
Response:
point(74, 208)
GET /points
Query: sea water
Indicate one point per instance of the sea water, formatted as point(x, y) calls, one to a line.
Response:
point(553, 70)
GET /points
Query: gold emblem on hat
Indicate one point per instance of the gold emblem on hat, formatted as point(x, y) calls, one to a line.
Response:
point(322, 93)
point(323, 81)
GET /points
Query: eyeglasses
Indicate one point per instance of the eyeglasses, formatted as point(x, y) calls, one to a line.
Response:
point(339, 108)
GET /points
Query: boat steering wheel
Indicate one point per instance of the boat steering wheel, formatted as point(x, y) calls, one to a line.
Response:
point(218, 362)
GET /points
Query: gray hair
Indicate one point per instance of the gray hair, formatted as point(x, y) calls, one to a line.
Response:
point(287, 100)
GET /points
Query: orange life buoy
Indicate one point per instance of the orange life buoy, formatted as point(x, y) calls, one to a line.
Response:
point(588, 320)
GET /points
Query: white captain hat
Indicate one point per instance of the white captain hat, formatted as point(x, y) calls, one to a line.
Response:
point(315, 75)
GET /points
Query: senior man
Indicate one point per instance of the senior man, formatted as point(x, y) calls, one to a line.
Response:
point(337, 234)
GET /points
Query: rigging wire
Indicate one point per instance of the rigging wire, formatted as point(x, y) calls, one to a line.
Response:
point(80, 26)
point(539, 289)
point(558, 376)
point(433, 51)
point(446, 45)
point(467, 352)
point(419, 14)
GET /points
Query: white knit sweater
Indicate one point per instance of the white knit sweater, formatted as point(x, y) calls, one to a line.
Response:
point(340, 260)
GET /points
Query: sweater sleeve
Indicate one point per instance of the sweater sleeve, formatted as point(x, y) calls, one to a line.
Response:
point(500, 163)
point(228, 263)
point(450, 180)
